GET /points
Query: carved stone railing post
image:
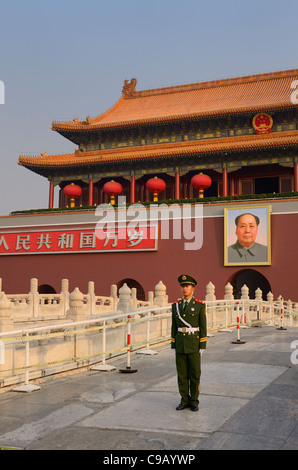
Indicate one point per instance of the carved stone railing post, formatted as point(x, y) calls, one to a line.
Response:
point(295, 312)
point(151, 297)
point(244, 292)
point(258, 294)
point(211, 310)
point(77, 310)
point(125, 304)
point(210, 292)
point(134, 300)
point(113, 294)
point(161, 298)
point(244, 296)
point(270, 309)
point(229, 310)
point(270, 296)
point(91, 298)
point(6, 322)
point(229, 292)
point(259, 298)
point(65, 293)
point(34, 297)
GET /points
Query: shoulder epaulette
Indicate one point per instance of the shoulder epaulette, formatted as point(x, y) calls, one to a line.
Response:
point(178, 300)
point(200, 301)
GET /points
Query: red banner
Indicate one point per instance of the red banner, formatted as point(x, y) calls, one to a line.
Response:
point(83, 240)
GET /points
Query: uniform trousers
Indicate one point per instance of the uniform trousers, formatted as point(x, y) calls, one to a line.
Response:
point(189, 374)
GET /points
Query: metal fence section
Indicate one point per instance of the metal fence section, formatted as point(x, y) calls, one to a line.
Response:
point(89, 342)
point(222, 314)
point(33, 353)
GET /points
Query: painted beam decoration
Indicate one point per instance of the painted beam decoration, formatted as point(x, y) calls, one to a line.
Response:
point(78, 240)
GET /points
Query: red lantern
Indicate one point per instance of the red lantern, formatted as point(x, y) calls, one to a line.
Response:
point(155, 185)
point(112, 189)
point(201, 182)
point(72, 191)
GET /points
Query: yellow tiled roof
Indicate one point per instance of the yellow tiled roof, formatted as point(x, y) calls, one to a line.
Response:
point(220, 97)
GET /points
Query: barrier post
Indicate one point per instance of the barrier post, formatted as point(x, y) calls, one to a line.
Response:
point(103, 366)
point(238, 328)
point(147, 351)
point(271, 306)
point(226, 329)
point(27, 387)
point(244, 317)
point(128, 368)
point(281, 327)
point(290, 312)
point(270, 316)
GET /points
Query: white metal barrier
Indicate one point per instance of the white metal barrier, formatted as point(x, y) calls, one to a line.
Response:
point(28, 335)
point(222, 315)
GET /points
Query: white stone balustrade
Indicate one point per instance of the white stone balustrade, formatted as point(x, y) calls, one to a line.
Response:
point(38, 308)
point(56, 312)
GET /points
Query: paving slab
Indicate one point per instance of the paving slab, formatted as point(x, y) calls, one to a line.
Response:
point(235, 441)
point(32, 431)
point(155, 412)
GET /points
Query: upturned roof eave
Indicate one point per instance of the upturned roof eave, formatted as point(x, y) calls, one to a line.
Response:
point(165, 151)
point(65, 127)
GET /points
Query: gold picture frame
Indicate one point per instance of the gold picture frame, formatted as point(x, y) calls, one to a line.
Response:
point(247, 235)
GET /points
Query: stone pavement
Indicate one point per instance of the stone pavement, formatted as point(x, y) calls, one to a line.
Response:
point(249, 400)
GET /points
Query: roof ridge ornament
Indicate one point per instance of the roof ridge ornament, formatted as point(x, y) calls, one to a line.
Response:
point(129, 87)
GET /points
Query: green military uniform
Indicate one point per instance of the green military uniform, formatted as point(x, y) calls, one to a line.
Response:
point(187, 341)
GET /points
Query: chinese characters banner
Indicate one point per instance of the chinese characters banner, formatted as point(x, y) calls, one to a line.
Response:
point(79, 240)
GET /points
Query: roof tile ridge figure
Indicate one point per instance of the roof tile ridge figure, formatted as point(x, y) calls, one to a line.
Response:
point(129, 87)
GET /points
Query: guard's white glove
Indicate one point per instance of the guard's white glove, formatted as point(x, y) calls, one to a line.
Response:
point(201, 351)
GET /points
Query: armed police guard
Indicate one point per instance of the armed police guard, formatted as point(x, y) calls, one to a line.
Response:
point(189, 337)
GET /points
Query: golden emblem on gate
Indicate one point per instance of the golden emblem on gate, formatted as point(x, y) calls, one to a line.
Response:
point(262, 123)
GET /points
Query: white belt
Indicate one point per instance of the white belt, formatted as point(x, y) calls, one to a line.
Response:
point(188, 330)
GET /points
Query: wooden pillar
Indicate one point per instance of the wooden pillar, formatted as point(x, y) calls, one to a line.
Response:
point(51, 195)
point(142, 192)
point(232, 186)
point(132, 188)
point(185, 187)
point(90, 194)
point(177, 184)
point(224, 182)
point(295, 176)
point(236, 186)
point(101, 196)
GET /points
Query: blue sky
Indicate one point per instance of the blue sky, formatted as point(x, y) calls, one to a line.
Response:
point(65, 59)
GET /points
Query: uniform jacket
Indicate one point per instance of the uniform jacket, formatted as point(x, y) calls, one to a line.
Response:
point(195, 315)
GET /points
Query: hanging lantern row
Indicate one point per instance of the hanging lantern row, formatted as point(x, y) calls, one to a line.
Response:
point(154, 185)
